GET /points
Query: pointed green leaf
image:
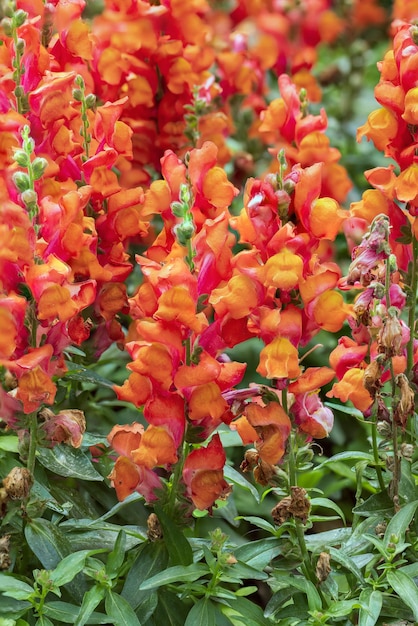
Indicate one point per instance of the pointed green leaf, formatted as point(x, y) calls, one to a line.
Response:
point(201, 614)
point(326, 503)
point(68, 613)
point(258, 553)
point(351, 455)
point(120, 611)
point(371, 606)
point(84, 375)
point(233, 476)
point(260, 522)
point(10, 583)
point(170, 610)
point(47, 541)
point(91, 600)
point(178, 573)
point(339, 556)
point(69, 567)
point(400, 522)
point(152, 559)
point(179, 549)
point(43, 621)
point(406, 589)
point(116, 557)
point(67, 461)
point(9, 443)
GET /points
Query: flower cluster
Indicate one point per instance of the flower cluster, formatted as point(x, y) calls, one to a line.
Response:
point(198, 300)
point(65, 217)
point(384, 261)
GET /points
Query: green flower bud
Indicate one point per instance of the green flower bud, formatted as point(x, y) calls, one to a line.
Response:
point(20, 45)
point(29, 197)
point(77, 95)
point(39, 166)
point(21, 158)
point(19, 91)
point(79, 81)
point(185, 195)
point(90, 101)
point(21, 180)
point(178, 209)
point(184, 232)
point(20, 17)
point(7, 27)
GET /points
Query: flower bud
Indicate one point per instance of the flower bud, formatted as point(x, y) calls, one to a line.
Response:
point(21, 158)
point(79, 81)
point(177, 209)
point(39, 166)
point(18, 483)
point(185, 195)
point(7, 26)
point(20, 17)
point(184, 232)
point(20, 45)
point(407, 451)
point(29, 197)
point(77, 95)
point(21, 181)
point(90, 100)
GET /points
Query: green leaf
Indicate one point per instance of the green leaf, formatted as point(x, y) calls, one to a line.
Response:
point(91, 599)
point(258, 553)
point(43, 621)
point(371, 606)
point(170, 610)
point(84, 375)
point(120, 610)
point(298, 582)
point(246, 612)
point(351, 455)
point(133, 497)
point(400, 522)
point(9, 443)
point(260, 522)
point(406, 589)
point(9, 583)
point(201, 614)
point(116, 557)
point(377, 503)
point(47, 542)
point(233, 476)
point(345, 409)
point(179, 549)
point(342, 608)
point(67, 461)
point(152, 559)
point(326, 503)
point(178, 573)
point(339, 556)
point(70, 566)
point(68, 613)
point(13, 608)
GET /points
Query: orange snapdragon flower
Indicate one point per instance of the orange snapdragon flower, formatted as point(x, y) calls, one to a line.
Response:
point(203, 474)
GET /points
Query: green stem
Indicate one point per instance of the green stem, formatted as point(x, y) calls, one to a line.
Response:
point(412, 307)
point(376, 455)
point(178, 470)
point(306, 565)
point(33, 437)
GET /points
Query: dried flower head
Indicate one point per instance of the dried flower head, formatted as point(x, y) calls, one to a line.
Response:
point(18, 483)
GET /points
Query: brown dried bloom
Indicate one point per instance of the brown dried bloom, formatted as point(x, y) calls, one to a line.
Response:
point(155, 531)
point(389, 340)
point(66, 427)
point(263, 472)
point(323, 567)
point(296, 505)
point(371, 379)
point(18, 483)
point(5, 561)
point(406, 404)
